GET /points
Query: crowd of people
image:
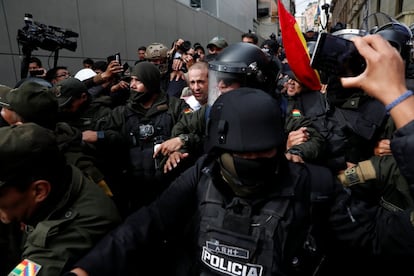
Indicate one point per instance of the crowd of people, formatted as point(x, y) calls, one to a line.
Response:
point(217, 162)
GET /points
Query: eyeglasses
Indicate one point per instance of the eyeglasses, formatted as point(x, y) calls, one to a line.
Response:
point(66, 75)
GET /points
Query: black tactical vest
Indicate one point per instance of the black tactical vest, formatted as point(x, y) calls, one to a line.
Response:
point(144, 133)
point(267, 237)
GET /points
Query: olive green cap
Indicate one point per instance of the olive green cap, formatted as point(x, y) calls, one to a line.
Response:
point(33, 102)
point(24, 149)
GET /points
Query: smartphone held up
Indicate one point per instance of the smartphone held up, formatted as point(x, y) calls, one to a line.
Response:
point(338, 56)
point(116, 57)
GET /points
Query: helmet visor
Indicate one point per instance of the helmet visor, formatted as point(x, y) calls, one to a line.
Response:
point(222, 82)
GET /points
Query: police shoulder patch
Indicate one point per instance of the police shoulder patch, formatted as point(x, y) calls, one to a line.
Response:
point(188, 110)
point(296, 113)
point(26, 268)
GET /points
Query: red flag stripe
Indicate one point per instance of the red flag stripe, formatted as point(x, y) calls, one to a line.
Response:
point(296, 49)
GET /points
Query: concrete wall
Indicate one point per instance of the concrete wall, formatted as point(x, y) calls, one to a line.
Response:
point(105, 27)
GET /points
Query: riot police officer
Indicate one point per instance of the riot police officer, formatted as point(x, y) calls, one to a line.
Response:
point(243, 209)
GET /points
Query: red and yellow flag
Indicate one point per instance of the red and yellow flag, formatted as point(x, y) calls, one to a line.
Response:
point(296, 49)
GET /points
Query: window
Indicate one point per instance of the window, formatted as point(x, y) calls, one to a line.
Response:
point(399, 6)
point(195, 4)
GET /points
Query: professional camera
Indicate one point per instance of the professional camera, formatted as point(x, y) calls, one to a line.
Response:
point(185, 46)
point(50, 38)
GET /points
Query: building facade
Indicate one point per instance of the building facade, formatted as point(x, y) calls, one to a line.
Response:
point(268, 20)
point(106, 27)
point(353, 12)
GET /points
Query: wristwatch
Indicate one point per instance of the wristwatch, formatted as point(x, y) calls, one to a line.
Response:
point(100, 134)
point(295, 152)
point(184, 138)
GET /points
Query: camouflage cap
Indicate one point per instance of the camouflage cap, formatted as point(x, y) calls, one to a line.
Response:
point(156, 51)
point(25, 148)
point(33, 102)
point(217, 41)
point(66, 89)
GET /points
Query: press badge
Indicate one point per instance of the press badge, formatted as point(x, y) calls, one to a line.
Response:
point(26, 268)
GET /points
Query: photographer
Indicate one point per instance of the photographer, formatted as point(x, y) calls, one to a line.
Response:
point(36, 69)
point(35, 72)
point(183, 58)
point(36, 35)
point(200, 53)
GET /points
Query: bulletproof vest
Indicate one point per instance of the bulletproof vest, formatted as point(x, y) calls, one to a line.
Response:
point(144, 133)
point(264, 237)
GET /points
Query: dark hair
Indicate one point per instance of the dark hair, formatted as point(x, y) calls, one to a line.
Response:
point(185, 46)
point(88, 61)
point(252, 36)
point(142, 48)
point(198, 46)
point(51, 170)
point(35, 60)
point(272, 45)
point(101, 65)
point(51, 73)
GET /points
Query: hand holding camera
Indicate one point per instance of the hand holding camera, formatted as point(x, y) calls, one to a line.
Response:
point(384, 76)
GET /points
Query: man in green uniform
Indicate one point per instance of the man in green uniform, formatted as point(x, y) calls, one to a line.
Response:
point(62, 214)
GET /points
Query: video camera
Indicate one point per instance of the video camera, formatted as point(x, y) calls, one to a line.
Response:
point(50, 38)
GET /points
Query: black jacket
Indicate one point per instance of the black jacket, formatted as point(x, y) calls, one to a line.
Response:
point(349, 224)
point(402, 146)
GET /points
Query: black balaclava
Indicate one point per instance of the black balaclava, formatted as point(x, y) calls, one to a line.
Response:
point(248, 177)
point(149, 75)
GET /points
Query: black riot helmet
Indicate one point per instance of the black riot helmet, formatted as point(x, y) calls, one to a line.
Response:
point(245, 120)
point(240, 63)
point(398, 34)
point(349, 33)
